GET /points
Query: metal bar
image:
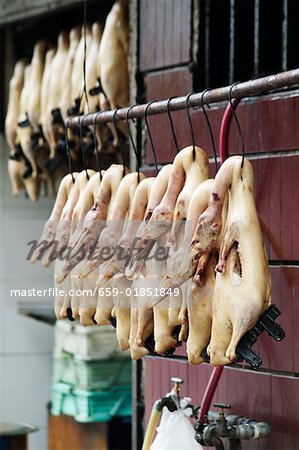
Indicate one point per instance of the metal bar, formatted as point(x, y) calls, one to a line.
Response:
point(245, 89)
point(285, 35)
point(207, 42)
point(232, 41)
point(256, 51)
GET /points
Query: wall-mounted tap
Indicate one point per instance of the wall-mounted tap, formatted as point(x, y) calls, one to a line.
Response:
point(233, 427)
point(171, 401)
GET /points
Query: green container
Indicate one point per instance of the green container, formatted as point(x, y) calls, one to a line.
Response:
point(102, 374)
point(62, 400)
point(63, 368)
point(91, 406)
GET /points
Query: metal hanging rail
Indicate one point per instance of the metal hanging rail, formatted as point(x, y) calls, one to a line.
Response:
point(244, 89)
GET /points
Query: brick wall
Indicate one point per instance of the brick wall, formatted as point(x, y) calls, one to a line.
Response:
point(271, 134)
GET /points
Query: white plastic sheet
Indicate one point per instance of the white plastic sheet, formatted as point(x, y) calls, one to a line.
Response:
point(176, 431)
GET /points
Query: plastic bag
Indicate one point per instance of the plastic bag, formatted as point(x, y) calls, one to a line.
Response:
point(175, 432)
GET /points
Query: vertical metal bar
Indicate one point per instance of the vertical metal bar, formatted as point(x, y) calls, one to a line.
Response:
point(207, 49)
point(256, 56)
point(232, 45)
point(284, 56)
point(137, 405)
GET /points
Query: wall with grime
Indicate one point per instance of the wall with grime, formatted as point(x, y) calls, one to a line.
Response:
point(271, 134)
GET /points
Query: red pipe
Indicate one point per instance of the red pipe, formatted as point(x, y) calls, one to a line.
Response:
point(224, 129)
point(223, 149)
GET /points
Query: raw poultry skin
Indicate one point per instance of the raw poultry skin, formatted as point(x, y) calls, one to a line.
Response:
point(243, 285)
point(111, 235)
point(35, 82)
point(13, 108)
point(190, 167)
point(83, 307)
point(201, 289)
point(49, 230)
point(63, 236)
point(30, 108)
point(54, 131)
point(91, 67)
point(122, 301)
point(45, 89)
point(113, 59)
point(66, 100)
point(196, 173)
point(194, 177)
point(96, 217)
point(139, 312)
point(77, 73)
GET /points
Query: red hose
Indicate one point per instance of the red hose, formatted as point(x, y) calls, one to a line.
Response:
point(224, 129)
point(223, 149)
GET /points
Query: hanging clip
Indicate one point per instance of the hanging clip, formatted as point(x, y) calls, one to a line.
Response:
point(209, 127)
point(172, 125)
point(138, 164)
point(190, 122)
point(266, 323)
point(96, 144)
point(82, 145)
point(119, 140)
point(67, 148)
point(150, 135)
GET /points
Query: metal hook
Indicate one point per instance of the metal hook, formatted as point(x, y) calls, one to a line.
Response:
point(84, 89)
point(67, 146)
point(95, 140)
point(172, 125)
point(82, 145)
point(132, 141)
point(209, 126)
point(237, 122)
point(150, 135)
point(190, 122)
point(120, 144)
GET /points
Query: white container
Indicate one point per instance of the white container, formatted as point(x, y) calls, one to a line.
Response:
point(88, 343)
point(98, 342)
point(64, 337)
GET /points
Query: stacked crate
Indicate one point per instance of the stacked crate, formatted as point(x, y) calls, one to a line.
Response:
point(91, 377)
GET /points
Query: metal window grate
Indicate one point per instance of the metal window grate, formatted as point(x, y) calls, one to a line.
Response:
point(242, 39)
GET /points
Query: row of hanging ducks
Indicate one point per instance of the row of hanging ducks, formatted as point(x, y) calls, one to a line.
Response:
point(211, 287)
point(44, 92)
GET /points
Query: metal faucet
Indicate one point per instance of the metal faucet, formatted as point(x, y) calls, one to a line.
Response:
point(231, 426)
point(171, 401)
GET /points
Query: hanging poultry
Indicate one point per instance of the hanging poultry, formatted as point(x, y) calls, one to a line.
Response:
point(66, 227)
point(113, 60)
point(112, 233)
point(243, 284)
point(13, 108)
point(66, 100)
point(45, 93)
point(138, 310)
point(83, 308)
point(54, 126)
point(96, 217)
point(190, 167)
point(200, 288)
point(78, 100)
point(49, 231)
point(120, 284)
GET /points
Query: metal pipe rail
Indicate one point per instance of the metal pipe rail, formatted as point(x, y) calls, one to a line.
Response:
point(244, 89)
